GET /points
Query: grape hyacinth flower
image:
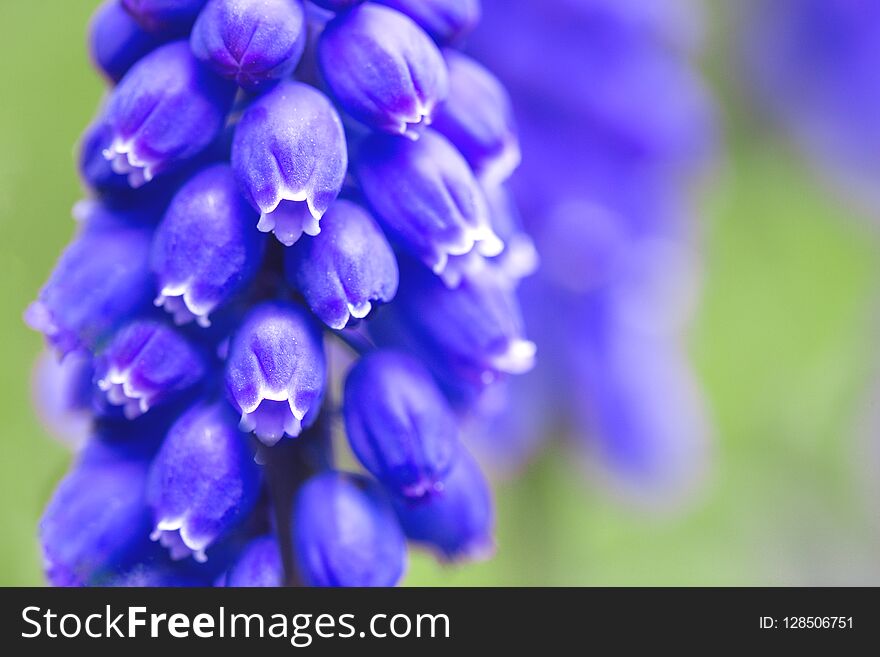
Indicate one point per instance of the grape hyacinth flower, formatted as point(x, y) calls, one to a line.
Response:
point(210, 368)
point(613, 123)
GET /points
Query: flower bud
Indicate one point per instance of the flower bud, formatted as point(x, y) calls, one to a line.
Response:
point(383, 69)
point(399, 425)
point(258, 566)
point(116, 41)
point(275, 371)
point(426, 197)
point(446, 21)
point(203, 481)
point(147, 363)
point(478, 119)
point(345, 533)
point(346, 268)
point(167, 109)
point(101, 279)
point(289, 156)
point(97, 520)
point(457, 520)
point(470, 334)
point(252, 42)
point(207, 247)
point(171, 17)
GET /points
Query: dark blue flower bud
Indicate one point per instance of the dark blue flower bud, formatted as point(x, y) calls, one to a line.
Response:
point(207, 247)
point(426, 197)
point(101, 279)
point(203, 481)
point(250, 41)
point(471, 333)
point(399, 425)
point(173, 17)
point(346, 268)
point(145, 364)
point(457, 520)
point(289, 156)
point(168, 108)
point(478, 119)
point(383, 69)
point(275, 371)
point(259, 565)
point(445, 20)
point(337, 5)
point(97, 520)
point(345, 533)
point(117, 41)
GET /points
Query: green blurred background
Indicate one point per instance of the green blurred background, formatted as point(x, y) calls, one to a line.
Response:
point(784, 344)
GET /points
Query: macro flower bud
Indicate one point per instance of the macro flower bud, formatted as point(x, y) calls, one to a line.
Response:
point(258, 566)
point(167, 109)
point(425, 195)
point(478, 119)
point(472, 333)
point(345, 533)
point(446, 21)
point(97, 520)
point(250, 41)
point(289, 156)
point(145, 364)
point(203, 481)
point(275, 371)
point(346, 268)
point(172, 17)
point(383, 69)
point(458, 519)
point(207, 247)
point(101, 279)
point(398, 423)
point(116, 41)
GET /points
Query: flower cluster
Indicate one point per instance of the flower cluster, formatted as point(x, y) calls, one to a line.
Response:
point(615, 121)
point(296, 241)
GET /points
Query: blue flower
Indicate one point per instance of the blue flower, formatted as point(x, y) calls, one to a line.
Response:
point(207, 247)
point(399, 424)
point(147, 363)
point(456, 520)
point(383, 69)
point(275, 371)
point(346, 269)
point(290, 157)
point(101, 280)
point(215, 131)
point(478, 118)
point(250, 41)
point(97, 520)
point(426, 196)
point(203, 481)
point(166, 110)
point(116, 40)
point(345, 533)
